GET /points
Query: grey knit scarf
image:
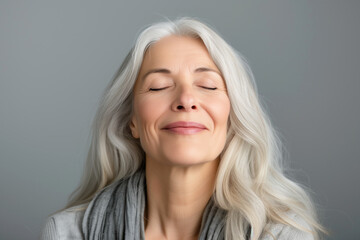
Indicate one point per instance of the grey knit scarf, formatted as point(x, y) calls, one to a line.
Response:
point(117, 212)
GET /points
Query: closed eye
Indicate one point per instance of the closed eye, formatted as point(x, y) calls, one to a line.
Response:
point(157, 89)
point(210, 88)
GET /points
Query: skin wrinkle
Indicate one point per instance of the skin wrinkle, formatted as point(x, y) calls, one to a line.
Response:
point(180, 168)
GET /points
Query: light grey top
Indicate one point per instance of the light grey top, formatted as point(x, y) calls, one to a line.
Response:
point(67, 225)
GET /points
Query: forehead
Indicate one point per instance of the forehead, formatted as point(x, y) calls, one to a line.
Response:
point(174, 49)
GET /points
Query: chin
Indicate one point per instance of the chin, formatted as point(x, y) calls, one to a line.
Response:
point(187, 158)
point(186, 162)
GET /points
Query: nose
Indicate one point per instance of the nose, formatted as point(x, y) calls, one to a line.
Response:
point(185, 100)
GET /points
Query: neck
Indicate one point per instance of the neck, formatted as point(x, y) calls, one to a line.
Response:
point(176, 199)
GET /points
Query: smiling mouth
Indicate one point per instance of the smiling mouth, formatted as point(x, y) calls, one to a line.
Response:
point(185, 128)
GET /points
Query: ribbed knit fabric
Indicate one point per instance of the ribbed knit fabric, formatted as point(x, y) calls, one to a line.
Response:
point(64, 225)
point(49, 231)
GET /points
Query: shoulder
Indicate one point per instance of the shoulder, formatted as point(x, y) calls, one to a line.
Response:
point(283, 232)
point(65, 224)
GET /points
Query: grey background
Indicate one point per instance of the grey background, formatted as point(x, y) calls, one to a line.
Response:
point(56, 58)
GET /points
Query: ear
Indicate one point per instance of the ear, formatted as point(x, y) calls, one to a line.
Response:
point(133, 127)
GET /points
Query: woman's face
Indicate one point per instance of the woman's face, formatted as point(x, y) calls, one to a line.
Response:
point(181, 106)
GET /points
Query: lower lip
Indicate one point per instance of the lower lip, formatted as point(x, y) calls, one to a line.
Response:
point(185, 131)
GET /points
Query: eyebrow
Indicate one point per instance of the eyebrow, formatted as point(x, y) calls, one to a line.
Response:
point(167, 71)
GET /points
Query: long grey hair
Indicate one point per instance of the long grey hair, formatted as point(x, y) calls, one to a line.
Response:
point(250, 184)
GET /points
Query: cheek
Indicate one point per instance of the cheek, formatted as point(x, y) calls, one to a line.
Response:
point(220, 110)
point(147, 112)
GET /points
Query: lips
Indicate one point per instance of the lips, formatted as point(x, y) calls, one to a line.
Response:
point(186, 128)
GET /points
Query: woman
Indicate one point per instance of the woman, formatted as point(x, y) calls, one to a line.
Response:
point(182, 149)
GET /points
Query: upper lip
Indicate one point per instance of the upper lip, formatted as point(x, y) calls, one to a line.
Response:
point(183, 124)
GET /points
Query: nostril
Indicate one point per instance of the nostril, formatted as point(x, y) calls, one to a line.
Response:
point(180, 107)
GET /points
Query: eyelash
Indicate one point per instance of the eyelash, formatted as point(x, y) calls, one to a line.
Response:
point(159, 89)
point(210, 88)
